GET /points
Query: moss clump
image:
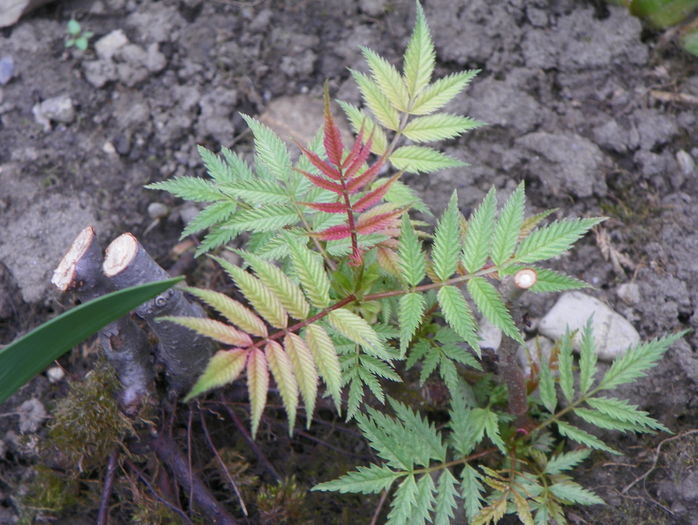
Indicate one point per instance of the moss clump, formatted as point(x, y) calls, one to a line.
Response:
point(50, 493)
point(283, 504)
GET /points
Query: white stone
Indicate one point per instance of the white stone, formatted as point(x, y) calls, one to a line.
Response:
point(686, 162)
point(109, 44)
point(157, 210)
point(490, 335)
point(56, 109)
point(629, 293)
point(55, 374)
point(613, 334)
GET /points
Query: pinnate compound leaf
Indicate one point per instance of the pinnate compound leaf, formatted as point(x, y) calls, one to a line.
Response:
point(282, 370)
point(637, 360)
point(403, 503)
point(412, 263)
point(566, 461)
point(270, 150)
point(360, 120)
point(304, 369)
point(308, 268)
point(419, 159)
point(587, 358)
point(447, 246)
point(365, 480)
point(356, 329)
point(446, 494)
point(419, 56)
point(479, 234)
point(221, 332)
point(231, 309)
point(326, 360)
point(554, 239)
point(265, 302)
point(224, 367)
point(565, 366)
point(582, 437)
point(440, 126)
point(491, 305)
point(506, 232)
point(410, 312)
point(574, 493)
point(257, 385)
point(376, 101)
point(438, 94)
point(458, 315)
point(289, 293)
point(388, 79)
point(552, 281)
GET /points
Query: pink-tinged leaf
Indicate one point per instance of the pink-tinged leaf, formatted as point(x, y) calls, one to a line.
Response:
point(389, 260)
point(334, 233)
point(372, 197)
point(214, 329)
point(322, 183)
point(366, 177)
point(356, 257)
point(355, 149)
point(333, 138)
point(223, 368)
point(282, 370)
point(327, 207)
point(257, 385)
point(304, 370)
point(360, 158)
point(371, 222)
point(320, 164)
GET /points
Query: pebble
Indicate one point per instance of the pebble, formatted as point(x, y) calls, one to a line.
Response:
point(490, 335)
point(157, 210)
point(109, 44)
point(31, 414)
point(686, 162)
point(613, 334)
point(629, 293)
point(54, 109)
point(7, 69)
point(55, 374)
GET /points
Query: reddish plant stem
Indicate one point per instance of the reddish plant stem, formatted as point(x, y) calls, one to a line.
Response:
point(103, 514)
point(255, 448)
point(350, 216)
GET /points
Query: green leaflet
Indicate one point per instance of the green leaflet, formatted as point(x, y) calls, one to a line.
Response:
point(257, 385)
point(587, 358)
point(270, 150)
point(326, 360)
point(309, 270)
point(356, 329)
point(624, 412)
point(445, 498)
point(546, 387)
point(553, 239)
point(388, 79)
point(491, 305)
point(209, 216)
point(439, 127)
point(458, 315)
point(403, 502)
point(418, 159)
point(471, 490)
point(566, 461)
point(304, 370)
point(282, 370)
point(479, 234)
point(506, 232)
point(231, 309)
point(412, 263)
point(190, 188)
point(359, 119)
point(447, 246)
point(224, 367)
point(215, 166)
point(566, 362)
point(403, 195)
point(240, 168)
point(575, 493)
point(424, 501)
point(365, 480)
point(438, 94)
point(410, 311)
point(268, 218)
point(376, 101)
point(257, 191)
point(419, 56)
point(552, 281)
point(580, 436)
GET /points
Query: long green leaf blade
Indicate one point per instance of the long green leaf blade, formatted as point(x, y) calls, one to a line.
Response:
point(447, 245)
point(479, 234)
point(410, 312)
point(440, 126)
point(419, 57)
point(365, 480)
point(418, 159)
point(412, 264)
point(24, 358)
point(554, 239)
point(506, 232)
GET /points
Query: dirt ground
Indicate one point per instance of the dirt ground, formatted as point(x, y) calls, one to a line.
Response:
point(595, 113)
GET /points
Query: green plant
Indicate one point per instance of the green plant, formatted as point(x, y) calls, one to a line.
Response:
point(76, 37)
point(339, 285)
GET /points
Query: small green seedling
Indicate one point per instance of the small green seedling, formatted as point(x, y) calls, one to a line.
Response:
point(76, 37)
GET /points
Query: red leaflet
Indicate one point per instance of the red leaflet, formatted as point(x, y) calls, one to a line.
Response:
point(374, 222)
point(328, 207)
point(372, 197)
point(360, 157)
point(334, 233)
point(333, 138)
point(322, 183)
point(355, 149)
point(367, 176)
point(319, 163)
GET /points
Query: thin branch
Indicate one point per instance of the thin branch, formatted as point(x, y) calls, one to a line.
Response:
point(103, 514)
point(381, 502)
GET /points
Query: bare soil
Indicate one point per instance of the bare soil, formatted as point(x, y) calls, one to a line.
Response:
point(595, 113)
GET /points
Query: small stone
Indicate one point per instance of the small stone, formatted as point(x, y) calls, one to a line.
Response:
point(99, 72)
point(31, 414)
point(613, 334)
point(490, 336)
point(629, 293)
point(155, 61)
point(7, 69)
point(686, 162)
point(157, 210)
point(373, 7)
point(188, 212)
point(109, 148)
point(109, 44)
point(55, 374)
point(55, 109)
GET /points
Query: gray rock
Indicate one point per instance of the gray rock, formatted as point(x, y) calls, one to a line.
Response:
point(107, 46)
point(655, 128)
point(629, 293)
point(566, 163)
point(99, 72)
point(157, 210)
point(686, 162)
point(613, 334)
point(12, 10)
point(505, 104)
point(31, 415)
point(613, 136)
point(55, 109)
point(7, 69)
